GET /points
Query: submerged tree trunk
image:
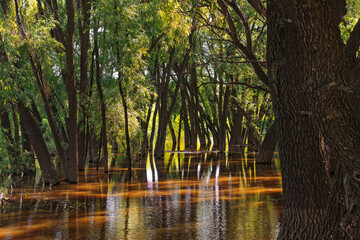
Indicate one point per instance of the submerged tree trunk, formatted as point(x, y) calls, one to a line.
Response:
point(39, 145)
point(305, 184)
point(267, 147)
point(84, 8)
point(173, 136)
point(329, 71)
point(127, 135)
point(72, 94)
point(104, 139)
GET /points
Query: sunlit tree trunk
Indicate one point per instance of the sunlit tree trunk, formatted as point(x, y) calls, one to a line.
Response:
point(224, 97)
point(184, 115)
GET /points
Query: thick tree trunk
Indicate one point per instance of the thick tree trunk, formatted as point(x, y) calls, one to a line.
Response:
point(331, 78)
point(39, 145)
point(267, 147)
point(305, 188)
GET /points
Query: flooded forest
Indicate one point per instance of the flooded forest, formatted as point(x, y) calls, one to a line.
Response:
point(179, 119)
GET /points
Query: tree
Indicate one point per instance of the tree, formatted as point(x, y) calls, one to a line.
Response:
point(314, 90)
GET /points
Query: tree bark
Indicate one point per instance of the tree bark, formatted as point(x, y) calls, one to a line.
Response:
point(72, 94)
point(84, 8)
point(331, 78)
point(305, 184)
point(39, 145)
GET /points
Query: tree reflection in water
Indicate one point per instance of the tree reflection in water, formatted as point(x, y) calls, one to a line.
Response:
point(182, 196)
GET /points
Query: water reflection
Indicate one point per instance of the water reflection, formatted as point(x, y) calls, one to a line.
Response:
point(184, 196)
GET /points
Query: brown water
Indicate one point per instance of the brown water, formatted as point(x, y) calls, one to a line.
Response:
point(184, 196)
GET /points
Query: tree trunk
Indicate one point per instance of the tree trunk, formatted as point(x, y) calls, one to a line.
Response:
point(39, 145)
point(71, 91)
point(152, 135)
point(84, 8)
point(173, 136)
point(144, 127)
point(223, 115)
point(329, 71)
point(305, 188)
point(267, 147)
point(185, 115)
point(104, 139)
point(127, 135)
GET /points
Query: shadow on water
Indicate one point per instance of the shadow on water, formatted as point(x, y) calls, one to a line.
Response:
point(200, 195)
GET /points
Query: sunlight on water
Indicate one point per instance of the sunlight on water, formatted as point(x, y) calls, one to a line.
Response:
point(182, 196)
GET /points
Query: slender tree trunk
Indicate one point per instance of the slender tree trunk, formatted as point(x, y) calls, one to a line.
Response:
point(72, 94)
point(127, 135)
point(104, 139)
point(39, 145)
point(84, 8)
point(144, 127)
point(185, 116)
point(179, 132)
point(223, 114)
point(173, 136)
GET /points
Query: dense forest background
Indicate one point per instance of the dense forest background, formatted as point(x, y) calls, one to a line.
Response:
point(128, 75)
point(84, 80)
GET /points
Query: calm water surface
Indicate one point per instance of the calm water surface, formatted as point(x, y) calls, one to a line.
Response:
point(182, 196)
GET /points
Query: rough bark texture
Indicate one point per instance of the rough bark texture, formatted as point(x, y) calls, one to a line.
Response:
point(305, 188)
point(334, 91)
